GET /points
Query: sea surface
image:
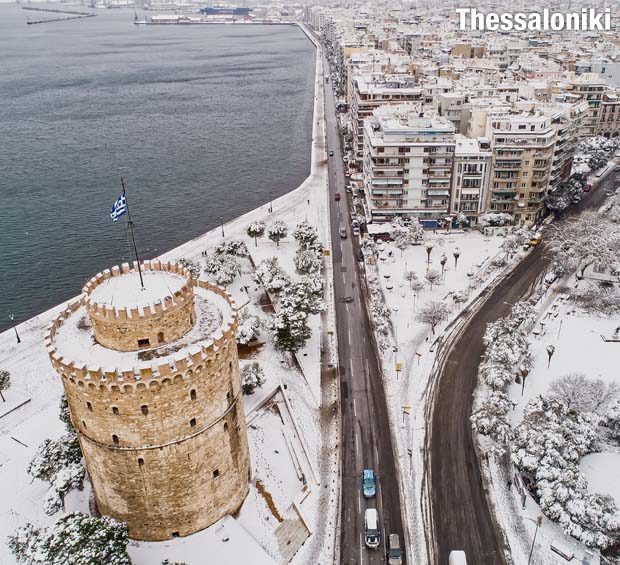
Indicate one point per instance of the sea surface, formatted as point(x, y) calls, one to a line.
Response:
point(202, 122)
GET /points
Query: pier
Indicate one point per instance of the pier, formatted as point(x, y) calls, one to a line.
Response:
point(71, 15)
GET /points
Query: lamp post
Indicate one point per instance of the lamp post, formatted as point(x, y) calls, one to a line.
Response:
point(222, 225)
point(538, 523)
point(550, 352)
point(270, 204)
point(524, 374)
point(456, 254)
point(443, 262)
point(429, 249)
point(12, 318)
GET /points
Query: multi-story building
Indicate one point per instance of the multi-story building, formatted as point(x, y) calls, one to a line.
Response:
point(470, 178)
point(522, 147)
point(609, 115)
point(589, 87)
point(371, 94)
point(408, 161)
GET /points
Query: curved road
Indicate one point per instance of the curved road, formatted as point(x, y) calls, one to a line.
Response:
point(460, 515)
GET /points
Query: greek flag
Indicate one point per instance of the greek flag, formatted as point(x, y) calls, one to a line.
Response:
point(119, 207)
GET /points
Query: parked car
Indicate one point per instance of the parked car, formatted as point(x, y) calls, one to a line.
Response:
point(356, 230)
point(587, 187)
point(372, 533)
point(610, 192)
point(576, 199)
point(360, 256)
point(395, 553)
point(617, 169)
point(550, 278)
point(331, 153)
point(536, 239)
point(369, 484)
point(337, 197)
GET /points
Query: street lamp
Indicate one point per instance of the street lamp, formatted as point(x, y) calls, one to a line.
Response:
point(524, 374)
point(538, 523)
point(429, 248)
point(270, 204)
point(456, 254)
point(550, 352)
point(12, 318)
point(222, 225)
point(443, 262)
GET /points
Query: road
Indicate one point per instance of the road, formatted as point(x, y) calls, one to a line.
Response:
point(366, 436)
point(460, 515)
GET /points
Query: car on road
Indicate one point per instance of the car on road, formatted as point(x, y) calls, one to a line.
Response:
point(395, 553)
point(536, 239)
point(576, 199)
point(331, 153)
point(369, 484)
point(343, 232)
point(337, 197)
point(617, 169)
point(372, 533)
point(610, 192)
point(587, 187)
point(457, 558)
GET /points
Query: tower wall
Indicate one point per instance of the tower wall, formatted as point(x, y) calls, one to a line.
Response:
point(165, 443)
point(131, 329)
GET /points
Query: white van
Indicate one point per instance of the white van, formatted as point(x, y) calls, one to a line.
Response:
point(372, 533)
point(457, 558)
point(343, 232)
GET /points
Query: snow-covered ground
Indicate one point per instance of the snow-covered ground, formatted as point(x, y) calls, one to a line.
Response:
point(288, 472)
point(407, 389)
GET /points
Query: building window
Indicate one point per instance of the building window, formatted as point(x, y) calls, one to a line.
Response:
point(140, 461)
point(228, 396)
point(115, 410)
point(216, 474)
point(192, 423)
point(160, 337)
point(114, 439)
point(143, 342)
point(175, 534)
point(192, 394)
point(225, 426)
point(89, 406)
point(145, 409)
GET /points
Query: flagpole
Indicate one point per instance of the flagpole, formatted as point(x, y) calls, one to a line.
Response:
point(133, 238)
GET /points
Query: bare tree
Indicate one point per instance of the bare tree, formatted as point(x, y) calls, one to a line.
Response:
point(584, 394)
point(432, 313)
point(433, 277)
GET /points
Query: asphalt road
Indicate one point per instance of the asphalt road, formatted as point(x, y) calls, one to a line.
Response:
point(460, 515)
point(366, 436)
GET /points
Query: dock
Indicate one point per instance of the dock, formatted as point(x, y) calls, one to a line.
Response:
point(71, 15)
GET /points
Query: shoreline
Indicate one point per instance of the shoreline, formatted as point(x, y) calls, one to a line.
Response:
point(53, 311)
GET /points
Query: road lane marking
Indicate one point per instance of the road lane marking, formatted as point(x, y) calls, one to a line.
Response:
point(361, 548)
point(354, 408)
point(349, 332)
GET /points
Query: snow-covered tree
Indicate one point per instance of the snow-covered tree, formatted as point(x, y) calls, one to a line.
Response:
point(252, 377)
point(491, 420)
point(494, 219)
point(306, 235)
point(432, 313)
point(65, 414)
point(233, 247)
point(307, 261)
point(416, 231)
point(222, 269)
point(585, 395)
point(68, 478)
point(271, 276)
point(510, 246)
point(416, 286)
point(583, 240)
point(248, 328)
point(192, 266)
point(305, 294)
point(432, 276)
point(612, 419)
point(548, 445)
point(75, 539)
point(601, 299)
point(277, 232)
point(53, 455)
point(256, 230)
point(5, 382)
point(461, 220)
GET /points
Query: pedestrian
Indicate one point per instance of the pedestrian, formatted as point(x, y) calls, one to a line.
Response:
point(509, 484)
point(308, 202)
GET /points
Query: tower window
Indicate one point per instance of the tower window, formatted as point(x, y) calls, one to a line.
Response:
point(140, 461)
point(115, 410)
point(84, 424)
point(192, 394)
point(144, 342)
point(160, 337)
point(145, 409)
point(225, 426)
point(115, 439)
point(89, 406)
point(192, 423)
point(216, 474)
point(228, 396)
point(175, 534)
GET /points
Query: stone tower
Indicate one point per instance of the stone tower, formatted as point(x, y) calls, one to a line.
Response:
point(152, 381)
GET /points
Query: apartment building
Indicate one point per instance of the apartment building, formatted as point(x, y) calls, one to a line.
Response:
point(609, 115)
point(470, 178)
point(371, 93)
point(589, 87)
point(408, 161)
point(522, 146)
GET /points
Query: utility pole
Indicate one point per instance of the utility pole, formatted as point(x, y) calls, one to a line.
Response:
point(12, 318)
point(538, 523)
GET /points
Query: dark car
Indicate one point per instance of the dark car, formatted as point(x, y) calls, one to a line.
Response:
point(331, 153)
point(337, 197)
